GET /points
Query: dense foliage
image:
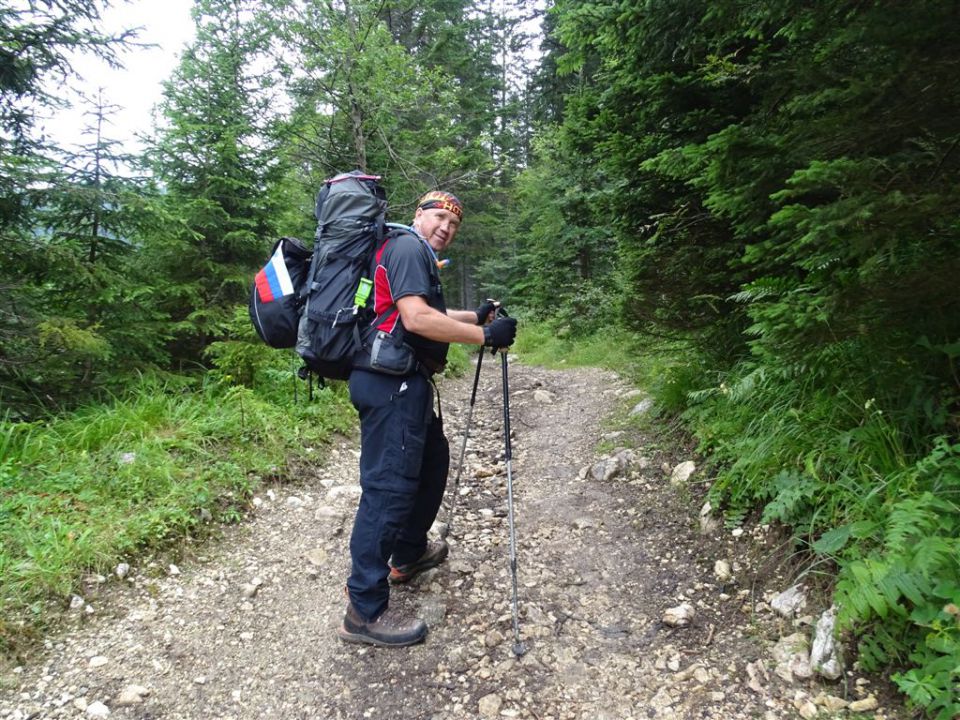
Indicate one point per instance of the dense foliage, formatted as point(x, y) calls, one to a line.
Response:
point(776, 185)
point(773, 187)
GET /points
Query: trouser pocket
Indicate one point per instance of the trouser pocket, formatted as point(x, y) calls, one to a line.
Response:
point(394, 414)
point(410, 412)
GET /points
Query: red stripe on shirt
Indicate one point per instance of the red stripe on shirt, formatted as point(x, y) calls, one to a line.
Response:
point(383, 295)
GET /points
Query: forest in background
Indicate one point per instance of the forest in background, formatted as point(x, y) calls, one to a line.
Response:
point(765, 197)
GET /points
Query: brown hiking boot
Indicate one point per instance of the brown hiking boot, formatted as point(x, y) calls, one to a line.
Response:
point(435, 554)
point(388, 630)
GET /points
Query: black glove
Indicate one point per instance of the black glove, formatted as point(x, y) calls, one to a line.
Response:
point(500, 333)
point(483, 312)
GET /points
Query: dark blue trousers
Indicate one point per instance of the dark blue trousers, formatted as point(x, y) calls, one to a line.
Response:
point(404, 461)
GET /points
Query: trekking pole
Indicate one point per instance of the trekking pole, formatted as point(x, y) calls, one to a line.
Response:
point(518, 648)
point(463, 448)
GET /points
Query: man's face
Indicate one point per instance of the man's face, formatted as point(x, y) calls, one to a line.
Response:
point(438, 226)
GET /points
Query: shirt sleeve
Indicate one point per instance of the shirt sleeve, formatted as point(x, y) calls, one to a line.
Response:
point(406, 267)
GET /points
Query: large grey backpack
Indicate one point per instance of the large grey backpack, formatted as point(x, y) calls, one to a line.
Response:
point(351, 219)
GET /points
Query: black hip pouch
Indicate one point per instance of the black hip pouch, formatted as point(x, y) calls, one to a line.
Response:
point(390, 355)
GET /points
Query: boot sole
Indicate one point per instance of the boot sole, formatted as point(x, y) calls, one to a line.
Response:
point(361, 639)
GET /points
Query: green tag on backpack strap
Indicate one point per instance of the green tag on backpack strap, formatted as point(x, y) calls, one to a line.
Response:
point(363, 292)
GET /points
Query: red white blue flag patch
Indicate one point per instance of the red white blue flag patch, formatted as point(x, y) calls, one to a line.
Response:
point(273, 281)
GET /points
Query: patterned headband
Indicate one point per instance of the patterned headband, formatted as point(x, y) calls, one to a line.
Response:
point(442, 200)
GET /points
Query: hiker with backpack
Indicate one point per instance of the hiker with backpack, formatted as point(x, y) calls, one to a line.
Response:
point(404, 455)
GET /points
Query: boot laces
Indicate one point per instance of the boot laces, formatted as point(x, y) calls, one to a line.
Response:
point(392, 619)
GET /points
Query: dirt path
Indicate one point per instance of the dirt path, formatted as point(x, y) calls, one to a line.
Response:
point(245, 628)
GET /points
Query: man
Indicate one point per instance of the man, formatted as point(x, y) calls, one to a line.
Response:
point(404, 456)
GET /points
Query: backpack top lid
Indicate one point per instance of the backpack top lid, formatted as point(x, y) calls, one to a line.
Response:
point(354, 195)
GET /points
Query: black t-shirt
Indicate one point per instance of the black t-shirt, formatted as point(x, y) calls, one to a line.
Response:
point(405, 265)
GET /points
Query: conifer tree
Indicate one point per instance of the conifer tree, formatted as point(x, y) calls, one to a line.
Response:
point(36, 42)
point(105, 321)
point(216, 158)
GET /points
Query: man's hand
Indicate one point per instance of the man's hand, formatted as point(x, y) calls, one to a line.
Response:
point(485, 311)
point(500, 333)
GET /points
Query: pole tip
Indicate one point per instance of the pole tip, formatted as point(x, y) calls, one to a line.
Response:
point(519, 649)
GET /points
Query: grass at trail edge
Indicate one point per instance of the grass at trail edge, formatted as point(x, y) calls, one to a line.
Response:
point(118, 481)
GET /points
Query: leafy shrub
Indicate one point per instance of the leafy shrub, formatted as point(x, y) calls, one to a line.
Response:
point(861, 486)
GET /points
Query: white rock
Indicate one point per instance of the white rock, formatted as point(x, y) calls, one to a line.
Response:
point(792, 653)
point(97, 710)
point(338, 491)
point(77, 602)
point(757, 674)
point(824, 654)
point(294, 502)
point(737, 532)
point(542, 396)
point(642, 407)
point(173, 570)
point(122, 570)
point(708, 524)
point(97, 661)
point(831, 703)
point(721, 568)
point(605, 470)
point(866, 705)
point(131, 695)
point(127, 458)
point(327, 512)
point(789, 602)
point(679, 616)
point(662, 700)
point(489, 705)
point(682, 472)
point(317, 557)
point(493, 638)
point(610, 467)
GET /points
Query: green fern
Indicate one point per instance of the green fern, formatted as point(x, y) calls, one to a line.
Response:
point(913, 518)
point(793, 492)
point(907, 592)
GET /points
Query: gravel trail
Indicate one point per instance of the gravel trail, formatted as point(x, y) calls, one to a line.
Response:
point(607, 544)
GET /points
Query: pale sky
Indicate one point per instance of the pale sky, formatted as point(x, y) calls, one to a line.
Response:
point(137, 87)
